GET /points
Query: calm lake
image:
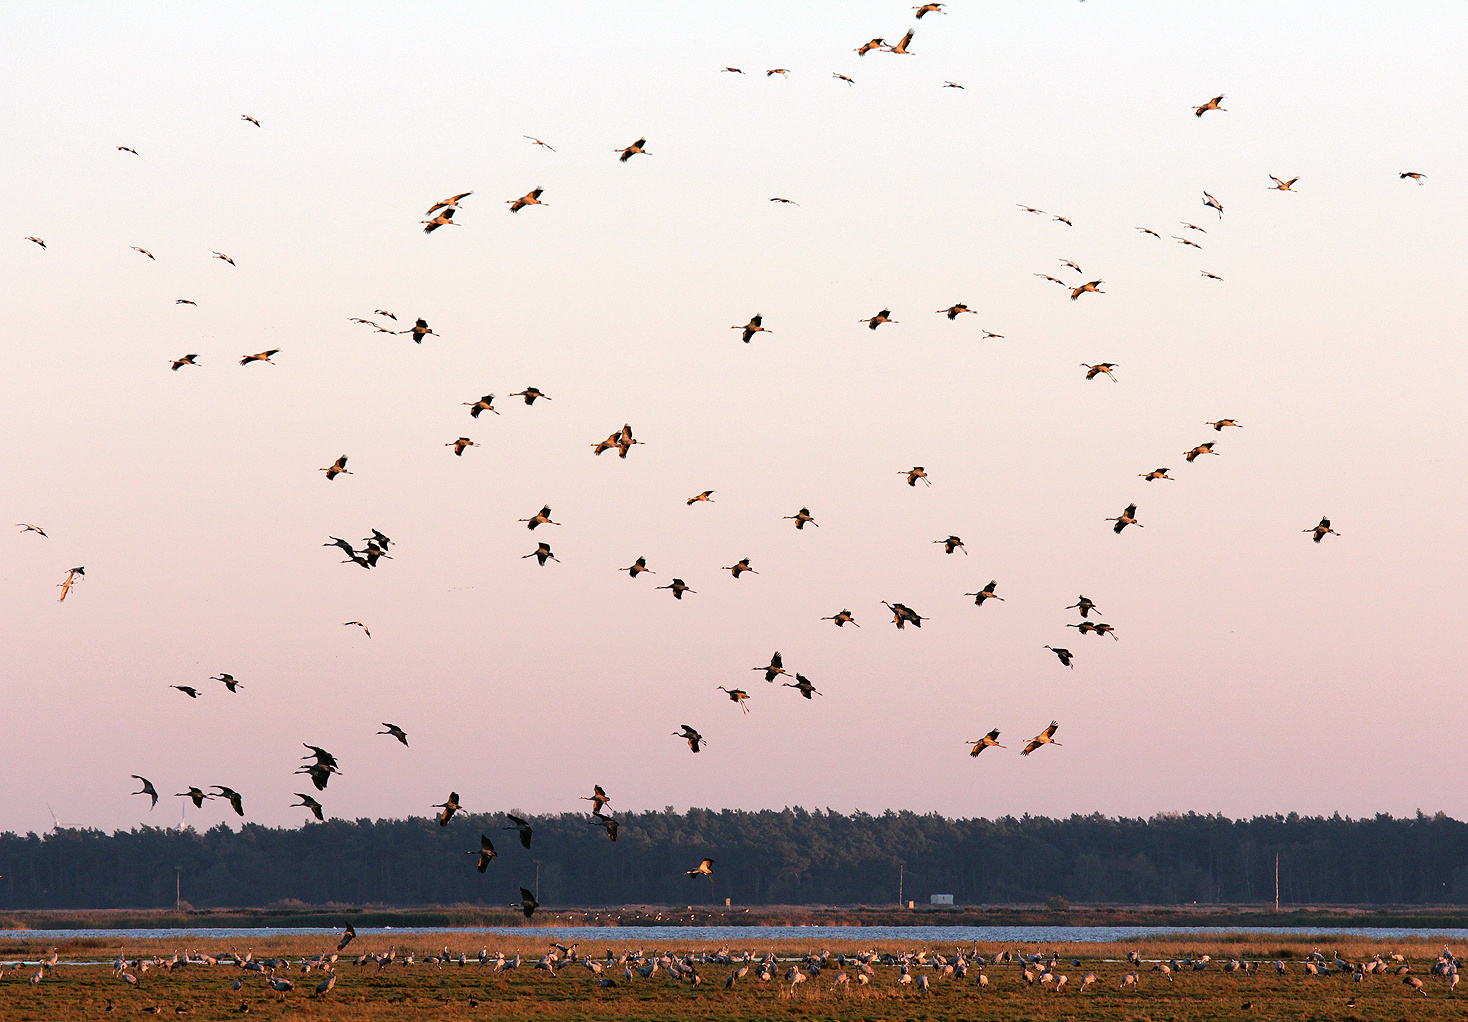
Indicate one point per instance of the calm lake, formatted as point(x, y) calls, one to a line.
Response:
point(755, 935)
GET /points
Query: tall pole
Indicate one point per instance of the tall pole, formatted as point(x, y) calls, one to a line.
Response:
point(900, 867)
point(177, 888)
point(1276, 881)
point(537, 879)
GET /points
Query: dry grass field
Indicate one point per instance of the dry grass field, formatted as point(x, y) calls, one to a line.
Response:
point(473, 991)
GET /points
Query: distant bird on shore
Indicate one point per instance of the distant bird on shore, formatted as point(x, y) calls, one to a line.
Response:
point(1212, 104)
point(263, 356)
point(635, 149)
point(737, 696)
point(486, 852)
point(1127, 517)
point(187, 360)
point(187, 690)
point(1322, 530)
point(530, 198)
point(520, 825)
point(336, 468)
point(1064, 655)
point(754, 325)
point(692, 737)
point(801, 517)
point(879, 319)
point(980, 744)
point(228, 680)
point(1046, 737)
point(986, 593)
point(307, 802)
point(449, 807)
point(679, 587)
point(842, 618)
point(528, 904)
point(704, 868)
point(394, 731)
point(148, 789)
point(231, 796)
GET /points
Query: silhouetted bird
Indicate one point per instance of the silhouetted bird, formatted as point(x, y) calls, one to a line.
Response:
point(148, 789)
point(449, 808)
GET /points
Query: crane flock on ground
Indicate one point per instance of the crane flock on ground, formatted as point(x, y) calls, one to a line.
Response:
point(445, 213)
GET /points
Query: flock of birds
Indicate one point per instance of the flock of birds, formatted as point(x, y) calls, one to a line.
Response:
point(814, 973)
point(370, 551)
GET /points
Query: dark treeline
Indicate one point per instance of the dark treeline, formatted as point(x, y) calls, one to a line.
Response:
point(789, 857)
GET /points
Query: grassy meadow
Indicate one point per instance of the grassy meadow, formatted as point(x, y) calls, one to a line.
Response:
point(473, 991)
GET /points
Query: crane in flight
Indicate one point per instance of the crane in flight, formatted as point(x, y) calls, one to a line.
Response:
point(679, 587)
point(307, 802)
point(336, 468)
point(449, 807)
point(1212, 104)
point(737, 696)
point(1127, 517)
point(394, 731)
point(1322, 530)
point(843, 618)
point(1046, 737)
point(148, 789)
point(522, 826)
point(986, 593)
point(486, 852)
point(689, 735)
point(980, 744)
point(754, 326)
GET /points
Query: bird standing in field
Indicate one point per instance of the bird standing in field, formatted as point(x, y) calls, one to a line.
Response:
point(148, 789)
point(914, 474)
point(528, 904)
point(187, 360)
point(679, 587)
point(754, 325)
point(704, 868)
point(637, 567)
point(1046, 737)
point(1127, 517)
point(951, 544)
point(986, 593)
point(802, 517)
point(394, 731)
point(449, 807)
point(980, 744)
point(879, 319)
point(541, 517)
point(1201, 449)
point(484, 404)
point(1212, 104)
point(530, 198)
point(737, 696)
point(1065, 656)
point(524, 828)
point(1282, 186)
point(486, 852)
point(1093, 286)
point(263, 356)
point(635, 149)
point(1092, 371)
point(338, 467)
point(692, 737)
point(459, 445)
point(444, 219)
point(842, 619)
point(542, 553)
point(1322, 530)
point(307, 802)
point(228, 681)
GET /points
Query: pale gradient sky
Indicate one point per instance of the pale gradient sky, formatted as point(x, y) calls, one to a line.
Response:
point(1254, 671)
